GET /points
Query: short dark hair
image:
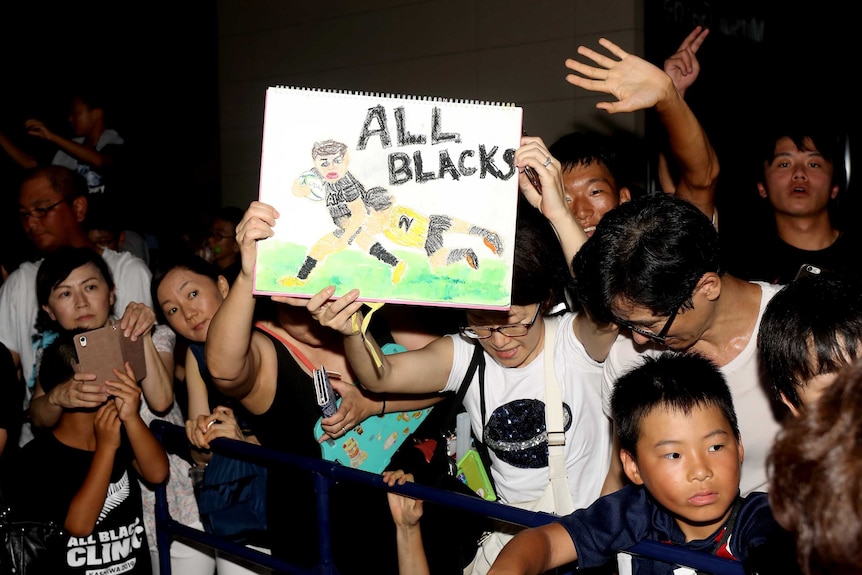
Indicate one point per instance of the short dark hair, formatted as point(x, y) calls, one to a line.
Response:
point(540, 273)
point(55, 268)
point(180, 260)
point(69, 183)
point(583, 148)
point(650, 252)
point(94, 97)
point(673, 380)
point(823, 135)
point(812, 326)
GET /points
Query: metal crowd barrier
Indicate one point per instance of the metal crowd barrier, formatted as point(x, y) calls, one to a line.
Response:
point(326, 473)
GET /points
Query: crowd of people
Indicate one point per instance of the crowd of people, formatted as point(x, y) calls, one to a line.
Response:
point(707, 387)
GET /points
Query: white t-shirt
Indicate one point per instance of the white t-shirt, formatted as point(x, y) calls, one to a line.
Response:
point(515, 419)
point(18, 304)
point(752, 401)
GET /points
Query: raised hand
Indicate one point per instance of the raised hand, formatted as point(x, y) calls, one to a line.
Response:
point(682, 66)
point(551, 200)
point(256, 224)
point(634, 82)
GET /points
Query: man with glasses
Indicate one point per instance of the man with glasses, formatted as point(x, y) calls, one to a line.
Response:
point(653, 268)
point(52, 207)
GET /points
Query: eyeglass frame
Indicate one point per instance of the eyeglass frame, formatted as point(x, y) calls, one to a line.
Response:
point(470, 331)
point(219, 237)
point(24, 216)
point(660, 337)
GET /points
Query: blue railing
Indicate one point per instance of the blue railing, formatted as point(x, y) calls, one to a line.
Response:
point(325, 473)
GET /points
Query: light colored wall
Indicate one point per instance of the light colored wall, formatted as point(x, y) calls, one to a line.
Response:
point(490, 50)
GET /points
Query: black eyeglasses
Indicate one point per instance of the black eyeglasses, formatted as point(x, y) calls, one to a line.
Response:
point(220, 236)
point(660, 337)
point(38, 213)
point(511, 330)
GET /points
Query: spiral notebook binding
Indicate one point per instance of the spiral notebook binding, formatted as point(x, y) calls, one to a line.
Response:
point(390, 95)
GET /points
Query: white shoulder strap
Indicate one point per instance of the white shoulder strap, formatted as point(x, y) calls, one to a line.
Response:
point(554, 424)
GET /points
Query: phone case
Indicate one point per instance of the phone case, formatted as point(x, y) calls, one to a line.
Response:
point(808, 270)
point(471, 470)
point(101, 350)
point(325, 393)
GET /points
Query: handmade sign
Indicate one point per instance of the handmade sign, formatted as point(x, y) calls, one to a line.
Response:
point(408, 199)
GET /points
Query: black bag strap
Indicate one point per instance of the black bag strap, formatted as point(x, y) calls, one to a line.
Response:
point(477, 362)
point(458, 405)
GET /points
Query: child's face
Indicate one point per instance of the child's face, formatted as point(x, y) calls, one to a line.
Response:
point(690, 464)
point(82, 300)
point(189, 301)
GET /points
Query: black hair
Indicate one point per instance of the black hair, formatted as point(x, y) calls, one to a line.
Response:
point(69, 183)
point(822, 134)
point(55, 268)
point(811, 327)
point(94, 97)
point(540, 273)
point(671, 380)
point(649, 252)
point(584, 148)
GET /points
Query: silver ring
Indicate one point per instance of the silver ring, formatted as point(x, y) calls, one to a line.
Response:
point(344, 430)
point(547, 162)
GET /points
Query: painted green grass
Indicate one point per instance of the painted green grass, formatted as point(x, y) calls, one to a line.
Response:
point(457, 284)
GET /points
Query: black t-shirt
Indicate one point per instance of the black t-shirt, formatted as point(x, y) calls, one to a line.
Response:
point(48, 476)
point(768, 258)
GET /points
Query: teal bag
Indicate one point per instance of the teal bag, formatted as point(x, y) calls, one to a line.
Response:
point(370, 445)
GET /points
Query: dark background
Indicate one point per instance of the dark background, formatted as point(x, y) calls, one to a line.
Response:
point(159, 60)
point(761, 61)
